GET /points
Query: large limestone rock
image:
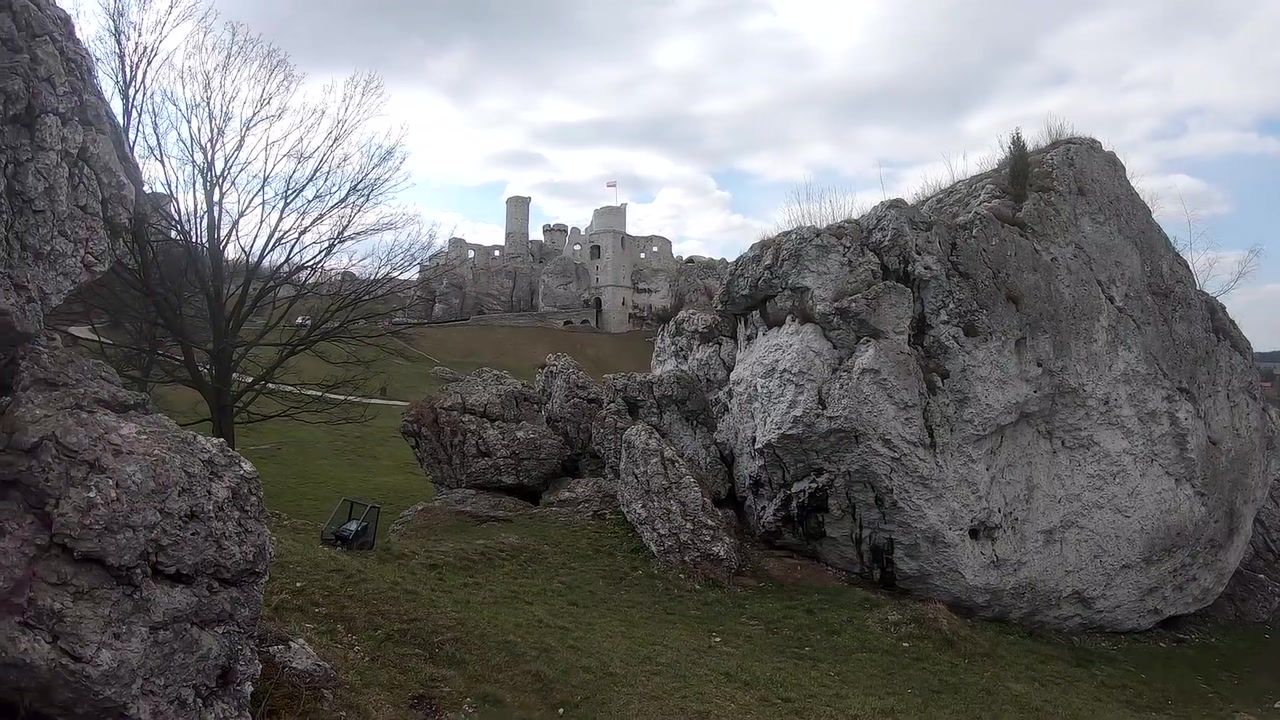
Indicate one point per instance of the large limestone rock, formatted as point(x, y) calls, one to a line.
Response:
point(571, 399)
point(702, 344)
point(674, 405)
point(1028, 411)
point(698, 281)
point(68, 183)
point(668, 287)
point(1253, 595)
point(134, 552)
point(482, 286)
point(671, 511)
point(563, 284)
point(486, 432)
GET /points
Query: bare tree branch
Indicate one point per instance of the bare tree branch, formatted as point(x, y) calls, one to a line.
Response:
point(133, 41)
point(1216, 272)
point(276, 254)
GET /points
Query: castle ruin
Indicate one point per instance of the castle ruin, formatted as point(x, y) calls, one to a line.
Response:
point(602, 277)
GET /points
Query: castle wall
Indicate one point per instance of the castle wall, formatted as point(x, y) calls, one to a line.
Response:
point(460, 252)
point(576, 318)
point(651, 250)
point(566, 270)
point(555, 235)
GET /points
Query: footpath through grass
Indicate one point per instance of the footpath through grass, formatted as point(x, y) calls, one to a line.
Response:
point(538, 616)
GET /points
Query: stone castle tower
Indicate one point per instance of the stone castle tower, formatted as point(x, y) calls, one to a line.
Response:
point(610, 270)
point(602, 276)
point(516, 244)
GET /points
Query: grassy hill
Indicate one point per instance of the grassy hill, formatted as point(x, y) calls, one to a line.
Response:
point(543, 618)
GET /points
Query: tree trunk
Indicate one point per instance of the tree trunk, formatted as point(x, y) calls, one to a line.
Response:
point(223, 413)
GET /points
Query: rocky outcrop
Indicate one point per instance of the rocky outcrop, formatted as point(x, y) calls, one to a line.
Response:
point(698, 280)
point(563, 284)
point(674, 515)
point(669, 287)
point(1025, 409)
point(702, 344)
point(134, 552)
point(571, 399)
point(68, 183)
point(674, 405)
point(486, 432)
point(444, 374)
point(490, 437)
point(1029, 410)
point(487, 286)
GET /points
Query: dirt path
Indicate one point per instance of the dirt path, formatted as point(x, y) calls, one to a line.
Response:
point(420, 352)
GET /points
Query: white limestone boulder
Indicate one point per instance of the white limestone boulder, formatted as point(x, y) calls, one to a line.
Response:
point(1034, 414)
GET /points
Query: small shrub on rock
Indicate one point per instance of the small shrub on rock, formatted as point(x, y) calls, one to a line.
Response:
point(1019, 162)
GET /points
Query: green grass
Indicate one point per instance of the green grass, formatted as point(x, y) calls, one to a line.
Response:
point(526, 618)
point(402, 361)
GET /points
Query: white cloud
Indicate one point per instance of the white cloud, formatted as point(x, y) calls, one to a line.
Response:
point(1170, 192)
point(453, 224)
point(786, 88)
point(1254, 308)
point(552, 98)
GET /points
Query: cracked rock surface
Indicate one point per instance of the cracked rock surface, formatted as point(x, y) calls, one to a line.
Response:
point(571, 399)
point(671, 403)
point(68, 183)
point(133, 553)
point(1028, 411)
point(663, 499)
point(1253, 595)
point(486, 432)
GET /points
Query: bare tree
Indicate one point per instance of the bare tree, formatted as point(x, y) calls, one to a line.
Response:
point(812, 203)
point(280, 256)
point(1216, 271)
point(132, 42)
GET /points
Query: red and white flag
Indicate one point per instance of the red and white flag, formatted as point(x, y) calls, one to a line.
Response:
point(611, 184)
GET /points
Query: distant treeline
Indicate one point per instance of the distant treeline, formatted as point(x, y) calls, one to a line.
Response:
point(1269, 356)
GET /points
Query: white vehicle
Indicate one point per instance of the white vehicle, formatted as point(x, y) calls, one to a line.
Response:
point(302, 321)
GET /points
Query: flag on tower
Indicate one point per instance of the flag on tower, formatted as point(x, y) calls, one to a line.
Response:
point(611, 184)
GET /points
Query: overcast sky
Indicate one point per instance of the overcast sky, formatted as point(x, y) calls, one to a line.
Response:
point(707, 111)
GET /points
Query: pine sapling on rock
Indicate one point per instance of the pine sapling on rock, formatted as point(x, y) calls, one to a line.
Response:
point(1019, 160)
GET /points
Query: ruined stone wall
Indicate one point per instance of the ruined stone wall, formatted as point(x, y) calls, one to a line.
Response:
point(578, 318)
point(630, 277)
